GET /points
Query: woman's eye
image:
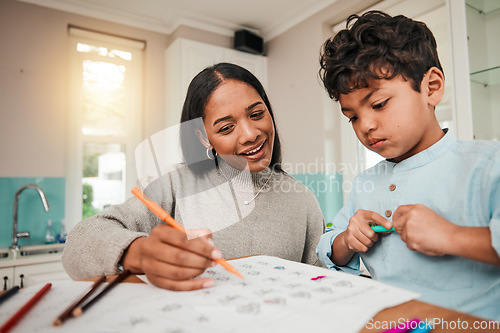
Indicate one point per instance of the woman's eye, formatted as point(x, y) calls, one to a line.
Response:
point(257, 114)
point(225, 129)
point(380, 105)
point(353, 119)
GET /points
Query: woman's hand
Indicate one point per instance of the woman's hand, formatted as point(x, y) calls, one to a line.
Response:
point(171, 259)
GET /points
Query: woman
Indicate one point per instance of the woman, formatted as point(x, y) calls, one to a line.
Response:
point(232, 178)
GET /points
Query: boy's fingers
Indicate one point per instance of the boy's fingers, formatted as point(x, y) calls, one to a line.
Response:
point(369, 233)
point(361, 241)
point(380, 220)
point(399, 217)
point(357, 246)
point(401, 211)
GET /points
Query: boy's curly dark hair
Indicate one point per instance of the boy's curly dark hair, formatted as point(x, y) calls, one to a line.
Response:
point(375, 46)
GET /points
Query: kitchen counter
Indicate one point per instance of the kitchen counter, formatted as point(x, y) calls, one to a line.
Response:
point(31, 254)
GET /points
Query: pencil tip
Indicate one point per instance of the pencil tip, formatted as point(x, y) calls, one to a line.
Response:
point(57, 322)
point(235, 272)
point(77, 312)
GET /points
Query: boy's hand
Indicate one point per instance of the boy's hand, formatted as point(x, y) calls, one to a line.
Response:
point(422, 229)
point(359, 237)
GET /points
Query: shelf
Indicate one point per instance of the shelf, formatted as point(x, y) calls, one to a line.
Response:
point(487, 77)
point(483, 6)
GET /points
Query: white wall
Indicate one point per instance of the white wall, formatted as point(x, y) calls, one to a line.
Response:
point(33, 83)
point(32, 91)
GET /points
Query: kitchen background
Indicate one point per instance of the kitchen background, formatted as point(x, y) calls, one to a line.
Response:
point(41, 145)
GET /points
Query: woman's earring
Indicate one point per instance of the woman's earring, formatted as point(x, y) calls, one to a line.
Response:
point(214, 153)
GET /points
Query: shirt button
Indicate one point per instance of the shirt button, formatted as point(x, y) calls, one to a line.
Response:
point(392, 187)
point(388, 213)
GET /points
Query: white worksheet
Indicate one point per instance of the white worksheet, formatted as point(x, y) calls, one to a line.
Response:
point(276, 295)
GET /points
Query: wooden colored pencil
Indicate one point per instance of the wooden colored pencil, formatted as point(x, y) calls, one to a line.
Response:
point(25, 309)
point(69, 311)
point(9, 293)
point(164, 216)
point(80, 309)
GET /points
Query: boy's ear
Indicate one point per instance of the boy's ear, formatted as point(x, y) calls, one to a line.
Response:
point(203, 139)
point(434, 85)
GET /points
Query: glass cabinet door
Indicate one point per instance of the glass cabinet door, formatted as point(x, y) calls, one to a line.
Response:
point(483, 28)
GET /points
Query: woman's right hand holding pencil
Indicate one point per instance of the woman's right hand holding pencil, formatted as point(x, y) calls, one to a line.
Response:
point(171, 259)
point(358, 237)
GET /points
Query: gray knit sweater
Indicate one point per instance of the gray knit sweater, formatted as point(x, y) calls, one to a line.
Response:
point(283, 220)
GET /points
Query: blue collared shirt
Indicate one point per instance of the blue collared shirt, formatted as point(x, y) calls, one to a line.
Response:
point(460, 180)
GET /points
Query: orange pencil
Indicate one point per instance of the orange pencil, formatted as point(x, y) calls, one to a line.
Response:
point(26, 307)
point(164, 216)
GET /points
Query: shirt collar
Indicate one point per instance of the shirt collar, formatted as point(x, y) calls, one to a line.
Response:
point(426, 156)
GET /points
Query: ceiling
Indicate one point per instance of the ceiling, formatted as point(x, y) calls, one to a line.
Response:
point(268, 18)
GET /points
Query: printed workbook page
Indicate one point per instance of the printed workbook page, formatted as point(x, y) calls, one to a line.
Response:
point(275, 295)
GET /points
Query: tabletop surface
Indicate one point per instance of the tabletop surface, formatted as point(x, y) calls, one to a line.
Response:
point(443, 319)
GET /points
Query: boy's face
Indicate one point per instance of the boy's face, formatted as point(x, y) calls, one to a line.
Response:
point(392, 119)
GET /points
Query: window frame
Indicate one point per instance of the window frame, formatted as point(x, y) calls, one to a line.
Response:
point(75, 139)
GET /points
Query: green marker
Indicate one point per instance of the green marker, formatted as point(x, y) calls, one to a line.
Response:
point(379, 228)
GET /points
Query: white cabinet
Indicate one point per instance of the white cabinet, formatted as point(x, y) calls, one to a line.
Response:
point(26, 272)
point(483, 26)
point(186, 58)
point(39, 273)
point(475, 25)
point(7, 277)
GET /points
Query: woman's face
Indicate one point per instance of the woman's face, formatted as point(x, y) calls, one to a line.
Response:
point(239, 126)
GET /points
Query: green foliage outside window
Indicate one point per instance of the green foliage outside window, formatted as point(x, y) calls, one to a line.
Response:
point(90, 164)
point(88, 197)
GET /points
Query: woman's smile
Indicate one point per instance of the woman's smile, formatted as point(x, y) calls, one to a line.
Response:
point(255, 153)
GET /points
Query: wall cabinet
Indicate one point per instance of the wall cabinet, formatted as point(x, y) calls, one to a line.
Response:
point(483, 26)
point(185, 58)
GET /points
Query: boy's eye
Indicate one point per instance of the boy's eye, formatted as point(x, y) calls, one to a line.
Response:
point(353, 119)
point(380, 105)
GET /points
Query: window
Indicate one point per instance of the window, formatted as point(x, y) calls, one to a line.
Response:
point(104, 121)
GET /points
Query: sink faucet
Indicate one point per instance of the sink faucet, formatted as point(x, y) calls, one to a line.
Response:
point(15, 234)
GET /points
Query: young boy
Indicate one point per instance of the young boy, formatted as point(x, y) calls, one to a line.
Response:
point(442, 195)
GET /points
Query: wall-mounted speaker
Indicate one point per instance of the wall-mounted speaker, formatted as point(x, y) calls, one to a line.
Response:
point(247, 41)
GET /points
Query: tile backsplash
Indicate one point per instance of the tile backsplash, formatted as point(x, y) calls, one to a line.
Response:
point(31, 214)
point(328, 190)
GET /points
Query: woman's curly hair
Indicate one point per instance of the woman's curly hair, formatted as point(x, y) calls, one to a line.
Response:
point(376, 46)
